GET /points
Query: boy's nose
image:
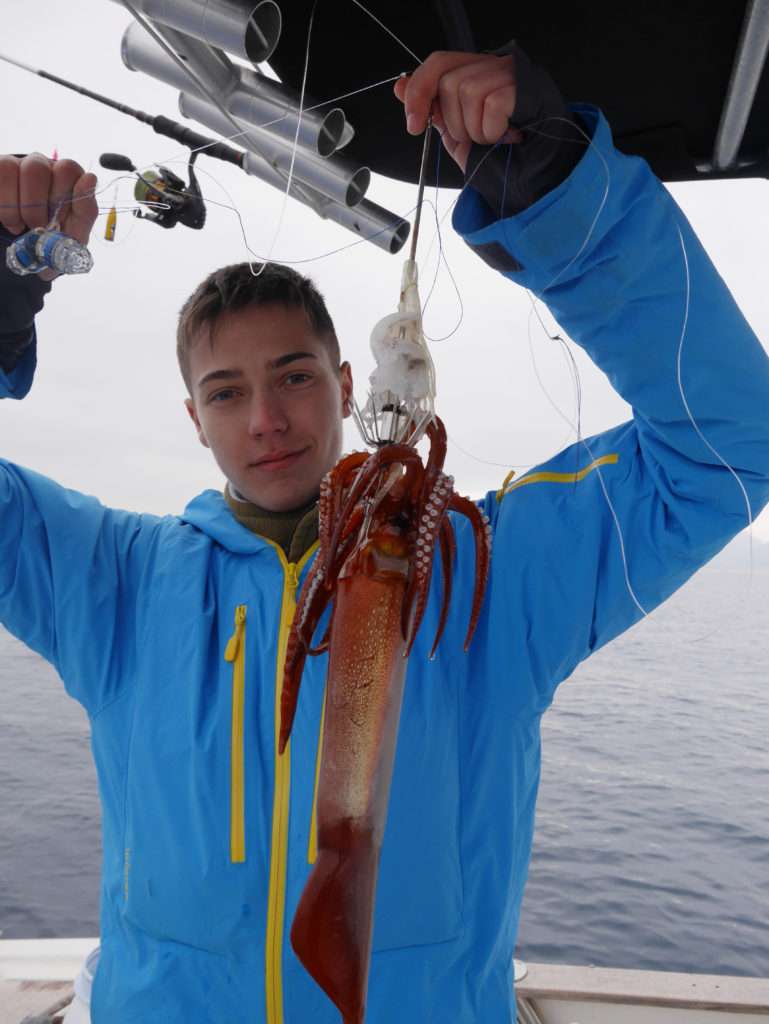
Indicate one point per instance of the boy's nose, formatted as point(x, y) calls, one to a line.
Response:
point(267, 416)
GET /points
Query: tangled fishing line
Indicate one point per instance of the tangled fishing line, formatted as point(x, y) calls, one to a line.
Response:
point(257, 263)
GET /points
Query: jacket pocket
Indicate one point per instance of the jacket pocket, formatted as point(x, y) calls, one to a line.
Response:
point(186, 878)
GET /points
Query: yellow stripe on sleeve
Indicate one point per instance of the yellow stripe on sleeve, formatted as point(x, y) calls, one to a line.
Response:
point(557, 478)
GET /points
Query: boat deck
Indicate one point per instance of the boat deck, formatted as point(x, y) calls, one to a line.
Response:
point(36, 974)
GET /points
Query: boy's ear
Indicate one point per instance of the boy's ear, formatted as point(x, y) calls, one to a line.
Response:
point(193, 414)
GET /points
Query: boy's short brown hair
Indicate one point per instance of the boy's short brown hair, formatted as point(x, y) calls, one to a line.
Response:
point(237, 287)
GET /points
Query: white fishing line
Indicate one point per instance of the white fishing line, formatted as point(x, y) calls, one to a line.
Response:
point(679, 380)
point(58, 201)
point(183, 157)
point(564, 269)
point(183, 65)
point(438, 236)
point(437, 232)
point(294, 147)
point(147, 25)
point(601, 205)
point(444, 261)
point(574, 427)
point(301, 111)
point(490, 462)
point(389, 31)
point(695, 425)
point(591, 229)
point(231, 206)
point(577, 428)
point(441, 259)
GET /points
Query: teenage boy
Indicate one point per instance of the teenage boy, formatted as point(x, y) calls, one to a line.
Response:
point(160, 626)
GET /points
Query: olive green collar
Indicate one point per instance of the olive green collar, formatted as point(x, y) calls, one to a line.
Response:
point(293, 531)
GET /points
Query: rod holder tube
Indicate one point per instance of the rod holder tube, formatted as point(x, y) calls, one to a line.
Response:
point(247, 31)
point(260, 100)
point(337, 178)
point(140, 52)
point(368, 220)
point(248, 96)
point(381, 227)
point(264, 172)
point(375, 224)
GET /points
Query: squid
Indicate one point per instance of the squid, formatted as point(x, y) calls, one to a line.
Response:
point(383, 516)
point(383, 519)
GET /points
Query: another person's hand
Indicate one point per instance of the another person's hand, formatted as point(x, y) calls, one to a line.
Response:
point(471, 97)
point(33, 188)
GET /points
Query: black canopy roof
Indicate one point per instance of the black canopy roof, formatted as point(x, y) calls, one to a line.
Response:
point(660, 70)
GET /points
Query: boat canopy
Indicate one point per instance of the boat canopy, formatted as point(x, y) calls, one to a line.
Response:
point(682, 84)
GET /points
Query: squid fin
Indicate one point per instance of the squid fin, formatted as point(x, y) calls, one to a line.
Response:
point(331, 932)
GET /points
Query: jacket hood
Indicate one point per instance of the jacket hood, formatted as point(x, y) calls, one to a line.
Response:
point(210, 514)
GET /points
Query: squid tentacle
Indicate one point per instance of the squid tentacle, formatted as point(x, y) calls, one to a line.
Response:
point(368, 476)
point(429, 529)
point(448, 547)
point(313, 604)
point(331, 492)
point(349, 543)
point(482, 536)
point(313, 600)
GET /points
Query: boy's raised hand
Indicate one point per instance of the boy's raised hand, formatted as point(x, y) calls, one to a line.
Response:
point(471, 97)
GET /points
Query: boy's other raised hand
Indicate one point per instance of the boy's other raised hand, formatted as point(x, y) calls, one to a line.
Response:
point(34, 187)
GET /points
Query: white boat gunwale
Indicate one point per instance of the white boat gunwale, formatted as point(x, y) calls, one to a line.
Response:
point(672, 990)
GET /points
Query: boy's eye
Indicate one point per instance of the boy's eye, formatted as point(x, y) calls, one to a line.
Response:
point(222, 395)
point(298, 378)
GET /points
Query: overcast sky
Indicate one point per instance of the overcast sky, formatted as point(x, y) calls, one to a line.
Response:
point(105, 414)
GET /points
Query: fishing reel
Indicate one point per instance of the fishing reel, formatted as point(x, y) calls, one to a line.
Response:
point(166, 199)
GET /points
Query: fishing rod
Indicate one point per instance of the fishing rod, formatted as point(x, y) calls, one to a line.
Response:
point(168, 200)
point(160, 124)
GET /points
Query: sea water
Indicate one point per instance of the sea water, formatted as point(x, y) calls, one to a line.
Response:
point(652, 843)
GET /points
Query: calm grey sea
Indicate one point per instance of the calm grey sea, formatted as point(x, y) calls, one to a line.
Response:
point(652, 845)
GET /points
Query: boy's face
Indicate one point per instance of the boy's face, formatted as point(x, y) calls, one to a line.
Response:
point(268, 402)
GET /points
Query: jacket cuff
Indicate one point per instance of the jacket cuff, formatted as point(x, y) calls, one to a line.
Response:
point(21, 298)
point(512, 177)
point(17, 382)
point(534, 245)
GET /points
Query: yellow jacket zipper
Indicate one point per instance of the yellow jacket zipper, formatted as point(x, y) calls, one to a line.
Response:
point(276, 901)
point(235, 652)
point(312, 846)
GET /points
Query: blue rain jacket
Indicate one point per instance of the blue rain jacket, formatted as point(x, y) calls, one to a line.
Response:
point(170, 632)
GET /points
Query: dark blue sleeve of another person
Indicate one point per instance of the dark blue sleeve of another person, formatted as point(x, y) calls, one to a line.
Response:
point(21, 299)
